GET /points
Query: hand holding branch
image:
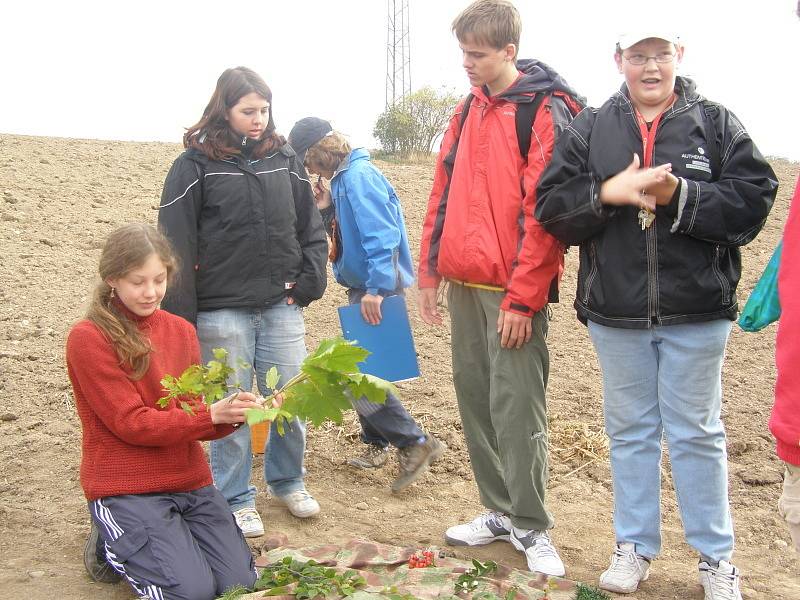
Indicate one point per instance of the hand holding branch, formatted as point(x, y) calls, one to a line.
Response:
point(231, 410)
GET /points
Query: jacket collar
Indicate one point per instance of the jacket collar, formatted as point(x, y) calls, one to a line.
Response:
point(534, 77)
point(685, 89)
point(355, 154)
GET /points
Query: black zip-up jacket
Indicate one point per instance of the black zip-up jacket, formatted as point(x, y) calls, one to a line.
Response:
point(247, 232)
point(686, 266)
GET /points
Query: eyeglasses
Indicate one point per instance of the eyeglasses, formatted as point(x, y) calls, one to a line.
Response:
point(641, 59)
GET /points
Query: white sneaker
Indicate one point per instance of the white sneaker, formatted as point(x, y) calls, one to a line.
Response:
point(484, 529)
point(720, 582)
point(249, 521)
point(301, 504)
point(627, 570)
point(539, 551)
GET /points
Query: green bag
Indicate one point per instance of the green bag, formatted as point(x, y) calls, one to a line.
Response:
point(763, 306)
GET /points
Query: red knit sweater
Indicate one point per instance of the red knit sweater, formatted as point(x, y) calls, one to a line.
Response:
point(130, 445)
point(785, 420)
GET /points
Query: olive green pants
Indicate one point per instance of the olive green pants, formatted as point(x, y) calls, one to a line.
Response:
point(501, 398)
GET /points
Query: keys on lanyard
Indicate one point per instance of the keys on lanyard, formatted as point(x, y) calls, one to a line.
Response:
point(646, 218)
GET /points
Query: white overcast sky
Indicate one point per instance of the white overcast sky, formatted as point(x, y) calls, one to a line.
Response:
point(144, 70)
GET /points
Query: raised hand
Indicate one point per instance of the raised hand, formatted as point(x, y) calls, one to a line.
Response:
point(322, 194)
point(628, 186)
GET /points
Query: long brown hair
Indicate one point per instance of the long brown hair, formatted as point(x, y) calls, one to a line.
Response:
point(212, 135)
point(127, 248)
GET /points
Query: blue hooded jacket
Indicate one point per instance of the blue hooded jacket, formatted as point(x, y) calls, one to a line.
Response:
point(374, 254)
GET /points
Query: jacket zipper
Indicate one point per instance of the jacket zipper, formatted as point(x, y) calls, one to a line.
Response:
point(723, 282)
point(652, 274)
point(592, 273)
point(244, 141)
point(648, 136)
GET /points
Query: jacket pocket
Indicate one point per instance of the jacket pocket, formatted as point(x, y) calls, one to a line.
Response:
point(725, 286)
point(587, 288)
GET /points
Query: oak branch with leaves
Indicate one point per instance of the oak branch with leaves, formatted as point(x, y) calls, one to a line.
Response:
point(328, 381)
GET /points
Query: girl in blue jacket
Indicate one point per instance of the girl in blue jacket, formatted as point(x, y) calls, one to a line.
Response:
point(371, 258)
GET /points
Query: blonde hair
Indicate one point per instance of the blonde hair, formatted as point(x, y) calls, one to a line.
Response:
point(328, 152)
point(493, 22)
point(127, 248)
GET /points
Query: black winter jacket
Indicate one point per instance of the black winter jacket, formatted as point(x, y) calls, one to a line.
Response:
point(244, 232)
point(683, 268)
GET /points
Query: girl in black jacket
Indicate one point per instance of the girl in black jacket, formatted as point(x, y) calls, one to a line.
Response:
point(240, 213)
point(660, 188)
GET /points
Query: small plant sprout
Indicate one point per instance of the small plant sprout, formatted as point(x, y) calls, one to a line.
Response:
point(198, 383)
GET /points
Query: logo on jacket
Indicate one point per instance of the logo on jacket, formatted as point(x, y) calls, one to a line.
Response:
point(698, 161)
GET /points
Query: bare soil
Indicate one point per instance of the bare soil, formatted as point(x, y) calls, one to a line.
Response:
point(58, 200)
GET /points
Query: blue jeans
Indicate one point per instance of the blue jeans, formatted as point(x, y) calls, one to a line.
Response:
point(388, 423)
point(667, 380)
point(262, 338)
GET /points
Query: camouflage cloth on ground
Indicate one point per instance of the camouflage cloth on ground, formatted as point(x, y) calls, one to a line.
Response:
point(385, 569)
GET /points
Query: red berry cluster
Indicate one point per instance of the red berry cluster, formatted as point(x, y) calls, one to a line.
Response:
point(425, 559)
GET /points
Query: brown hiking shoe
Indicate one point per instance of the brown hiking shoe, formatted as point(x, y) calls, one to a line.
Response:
point(415, 460)
point(373, 457)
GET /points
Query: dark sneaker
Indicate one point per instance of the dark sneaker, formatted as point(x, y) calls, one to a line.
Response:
point(483, 529)
point(94, 559)
point(373, 457)
point(415, 460)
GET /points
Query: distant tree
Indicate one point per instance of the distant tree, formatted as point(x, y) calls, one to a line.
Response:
point(416, 123)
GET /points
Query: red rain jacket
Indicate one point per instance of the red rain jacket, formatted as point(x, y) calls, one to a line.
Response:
point(480, 226)
point(785, 420)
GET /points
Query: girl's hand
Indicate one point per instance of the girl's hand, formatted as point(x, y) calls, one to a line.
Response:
point(231, 410)
point(628, 187)
point(322, 194)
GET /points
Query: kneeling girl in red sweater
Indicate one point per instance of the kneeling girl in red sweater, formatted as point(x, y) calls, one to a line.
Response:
point(157, 519)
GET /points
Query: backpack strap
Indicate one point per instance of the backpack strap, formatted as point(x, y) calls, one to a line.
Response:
point(524, 119)
point(709, 112)
point(450, 159)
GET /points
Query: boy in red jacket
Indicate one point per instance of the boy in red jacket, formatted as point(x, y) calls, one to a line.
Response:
point(480, 235)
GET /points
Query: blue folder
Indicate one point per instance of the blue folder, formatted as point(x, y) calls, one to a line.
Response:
point(393, 355)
